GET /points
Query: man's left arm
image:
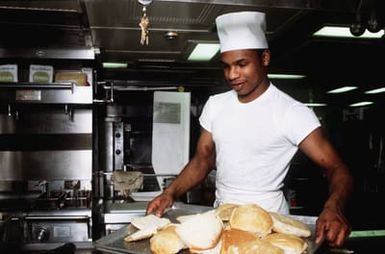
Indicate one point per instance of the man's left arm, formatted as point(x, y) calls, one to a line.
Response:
point(332, 224)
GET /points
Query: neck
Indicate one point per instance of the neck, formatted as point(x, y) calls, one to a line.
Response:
point(256, 92)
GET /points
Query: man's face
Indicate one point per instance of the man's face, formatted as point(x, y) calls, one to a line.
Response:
point(246, 71)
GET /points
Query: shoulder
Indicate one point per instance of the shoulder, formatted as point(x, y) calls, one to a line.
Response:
point(221, 97)
point(219, 101)
point(284, 103)
point(283, 98)
point(291, 110)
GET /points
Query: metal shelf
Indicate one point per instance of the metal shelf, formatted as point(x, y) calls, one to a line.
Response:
point(33, 85)
point(44, 93)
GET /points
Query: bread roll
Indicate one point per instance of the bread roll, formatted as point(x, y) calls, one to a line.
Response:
point(166, 241)
point(224, 211)
point(251, 218)
point(287, 225)
point(254, 247)
point(290, 244)
point(183, 218)
point(235, 237)
point(215, 250)
point(200, 232)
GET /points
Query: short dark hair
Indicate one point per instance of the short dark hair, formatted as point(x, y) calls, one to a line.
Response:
point(260, 52)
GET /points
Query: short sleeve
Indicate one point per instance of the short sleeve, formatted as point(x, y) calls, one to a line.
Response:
point(299, 122)
point(205, 118)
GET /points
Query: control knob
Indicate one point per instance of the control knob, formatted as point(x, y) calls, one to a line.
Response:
point(42, 234)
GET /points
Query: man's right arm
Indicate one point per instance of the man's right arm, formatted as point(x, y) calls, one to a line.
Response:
point(192, 174)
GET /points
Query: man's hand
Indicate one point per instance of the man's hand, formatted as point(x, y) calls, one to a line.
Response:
point(333, 227)
point(159, 204)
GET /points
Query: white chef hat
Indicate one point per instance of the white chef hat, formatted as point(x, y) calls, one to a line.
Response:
point(242, 30)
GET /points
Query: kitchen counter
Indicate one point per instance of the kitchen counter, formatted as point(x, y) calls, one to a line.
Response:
point(370, 245)
point(357, 246)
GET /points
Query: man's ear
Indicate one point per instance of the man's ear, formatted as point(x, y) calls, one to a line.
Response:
point(266, 57)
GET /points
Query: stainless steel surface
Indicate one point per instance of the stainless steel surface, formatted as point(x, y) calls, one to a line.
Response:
point(34, 229)
point(118, 146)
point(47, 165)
point(45, 142)
point(58, 226)
point(45, 94)
point(59, 53)
point(45, 120)
point(123, 213)
point(114, 243)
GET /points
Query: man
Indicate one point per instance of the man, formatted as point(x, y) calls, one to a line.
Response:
point(251, 133)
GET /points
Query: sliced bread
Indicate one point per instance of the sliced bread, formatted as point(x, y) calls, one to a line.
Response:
point(200, 232)
point(149, 221)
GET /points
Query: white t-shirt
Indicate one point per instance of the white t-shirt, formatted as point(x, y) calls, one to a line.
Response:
point(254, 144)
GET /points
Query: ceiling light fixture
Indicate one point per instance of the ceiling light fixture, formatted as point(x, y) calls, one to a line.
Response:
point(315, 104)
point(343, 89)
point(204, 52)
point(110, 65)
point(361, 104)
point(171, 35)
point(285, 76)
point(377, 90)
point(337, 31)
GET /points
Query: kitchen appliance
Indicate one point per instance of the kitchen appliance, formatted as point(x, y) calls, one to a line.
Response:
point(46, 146)
point(128, 116)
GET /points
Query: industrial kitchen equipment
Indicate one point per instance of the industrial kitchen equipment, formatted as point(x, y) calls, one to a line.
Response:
point(46, 146)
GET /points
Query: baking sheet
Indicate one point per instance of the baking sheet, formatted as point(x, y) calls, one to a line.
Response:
point(114, 242)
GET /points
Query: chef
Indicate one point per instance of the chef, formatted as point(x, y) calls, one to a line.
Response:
point(250, 134)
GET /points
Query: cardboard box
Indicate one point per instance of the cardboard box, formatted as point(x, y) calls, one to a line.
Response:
point(8, 73)
point(77, 77)
point(40, 73)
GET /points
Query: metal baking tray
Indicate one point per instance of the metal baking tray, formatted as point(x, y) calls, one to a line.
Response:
point(114, 242)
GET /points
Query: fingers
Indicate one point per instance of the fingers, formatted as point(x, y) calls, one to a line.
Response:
point(158, 205)
point(335, 233)
point(160, 209)
point(320, 232)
